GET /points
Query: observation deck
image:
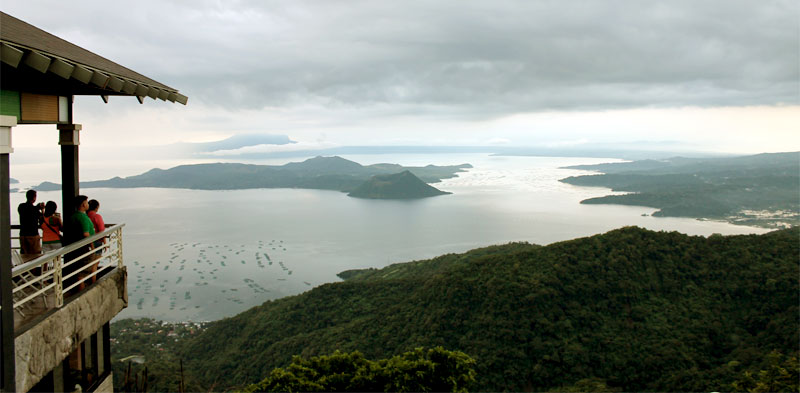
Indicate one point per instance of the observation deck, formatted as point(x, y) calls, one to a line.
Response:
point(63, 306)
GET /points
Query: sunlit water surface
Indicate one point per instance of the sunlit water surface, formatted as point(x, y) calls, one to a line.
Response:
point(205, 255)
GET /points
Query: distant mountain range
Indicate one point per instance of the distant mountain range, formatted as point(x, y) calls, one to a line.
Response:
point(327, 173)
point(403, 185)
point(762, 189)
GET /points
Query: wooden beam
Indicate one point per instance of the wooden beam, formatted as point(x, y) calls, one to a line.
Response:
point(153, 92)
point(99, 79)
point(61, 68)
point(141, 90)
point(129, 87)
point(11, 55)
point(115, 84)
point(82, 74)
point(37, 61)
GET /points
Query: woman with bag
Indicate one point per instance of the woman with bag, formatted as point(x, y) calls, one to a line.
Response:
point(51, 228)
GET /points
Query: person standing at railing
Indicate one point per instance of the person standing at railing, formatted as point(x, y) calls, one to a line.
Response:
point(97, 221)
point(30, 219)
point(79, 227)
point(51, 228)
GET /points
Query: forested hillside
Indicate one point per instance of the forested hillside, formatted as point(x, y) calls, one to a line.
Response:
point(631, 310)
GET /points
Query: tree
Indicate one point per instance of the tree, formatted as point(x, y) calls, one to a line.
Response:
point(781, 375)
point(420, 370)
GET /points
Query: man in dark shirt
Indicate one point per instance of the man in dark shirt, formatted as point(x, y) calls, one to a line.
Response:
point(30, 219)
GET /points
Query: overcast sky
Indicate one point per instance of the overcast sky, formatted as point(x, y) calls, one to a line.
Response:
point(713, 75)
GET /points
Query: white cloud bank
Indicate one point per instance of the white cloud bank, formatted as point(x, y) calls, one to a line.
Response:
point(367, 72)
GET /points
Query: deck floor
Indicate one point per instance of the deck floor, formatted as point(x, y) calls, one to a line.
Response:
point(33, 309)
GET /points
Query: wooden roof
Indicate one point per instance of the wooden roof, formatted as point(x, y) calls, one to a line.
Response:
point(26, 46)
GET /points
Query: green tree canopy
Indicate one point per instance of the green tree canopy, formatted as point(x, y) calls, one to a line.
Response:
point(782, 374)
point(420, 370)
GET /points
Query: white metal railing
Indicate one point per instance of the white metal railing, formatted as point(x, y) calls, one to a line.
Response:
point(15, 239)
point(44, 276)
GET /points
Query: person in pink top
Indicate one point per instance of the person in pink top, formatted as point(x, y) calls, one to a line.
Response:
point(97, 220)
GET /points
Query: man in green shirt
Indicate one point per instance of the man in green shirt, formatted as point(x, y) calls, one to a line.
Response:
point(81, 223)
point(80, 227)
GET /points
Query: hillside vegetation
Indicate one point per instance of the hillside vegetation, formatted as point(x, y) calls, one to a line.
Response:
point(762, 189)
point(433, 370)
point(630, 310)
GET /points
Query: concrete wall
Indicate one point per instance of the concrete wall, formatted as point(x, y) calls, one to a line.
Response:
point(48, 343)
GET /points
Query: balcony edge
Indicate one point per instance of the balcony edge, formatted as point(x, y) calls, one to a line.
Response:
point(44, 345)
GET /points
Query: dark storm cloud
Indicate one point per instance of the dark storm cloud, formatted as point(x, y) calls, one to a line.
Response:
point(462, 58)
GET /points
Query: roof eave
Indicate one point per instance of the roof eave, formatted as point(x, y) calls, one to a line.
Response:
point(17, 55)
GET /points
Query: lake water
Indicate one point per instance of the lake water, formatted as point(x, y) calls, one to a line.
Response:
point(205, 255)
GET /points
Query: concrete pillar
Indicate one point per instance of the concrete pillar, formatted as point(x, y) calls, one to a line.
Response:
point(7, 374)
point(90, 346)
point(101, 361)
point(107, 346)
point(58, 378)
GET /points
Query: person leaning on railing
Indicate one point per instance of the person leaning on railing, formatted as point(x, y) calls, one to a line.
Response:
point(79, 227)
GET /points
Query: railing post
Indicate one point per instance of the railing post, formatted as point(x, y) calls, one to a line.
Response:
point(59, 284)
point(119, 248)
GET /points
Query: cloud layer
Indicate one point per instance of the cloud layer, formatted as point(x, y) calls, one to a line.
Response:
point(461, 59)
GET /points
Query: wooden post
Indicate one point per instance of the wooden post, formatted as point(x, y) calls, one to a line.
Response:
point(70, 187)
point(8, 374)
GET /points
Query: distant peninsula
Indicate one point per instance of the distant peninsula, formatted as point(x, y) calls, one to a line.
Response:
point(760, 190)
point(403, 185)
point(324, 173)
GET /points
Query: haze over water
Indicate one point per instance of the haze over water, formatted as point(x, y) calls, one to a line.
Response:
point(204, 255)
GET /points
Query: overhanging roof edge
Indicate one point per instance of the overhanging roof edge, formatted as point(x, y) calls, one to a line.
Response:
point(89, 67)
point(26, 37)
